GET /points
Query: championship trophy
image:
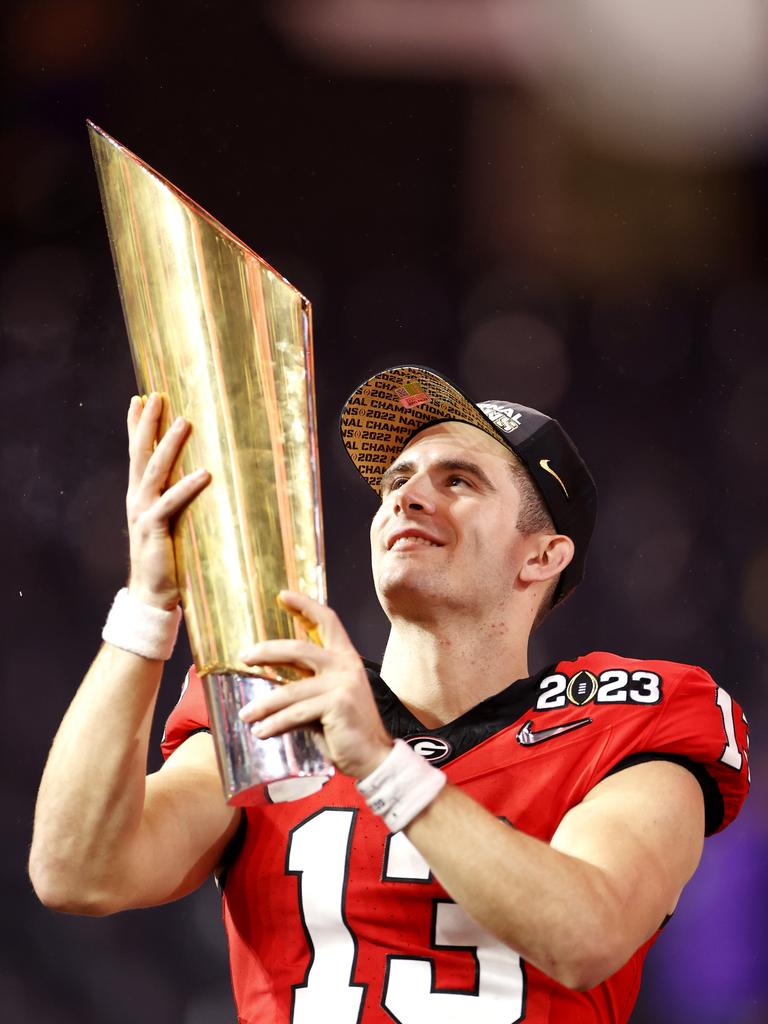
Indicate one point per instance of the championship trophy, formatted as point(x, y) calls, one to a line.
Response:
point(228, 342)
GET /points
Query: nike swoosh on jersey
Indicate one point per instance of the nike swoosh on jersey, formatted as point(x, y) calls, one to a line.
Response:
point(527, 737)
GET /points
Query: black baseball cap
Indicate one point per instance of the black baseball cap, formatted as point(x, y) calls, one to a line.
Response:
point(385, 412)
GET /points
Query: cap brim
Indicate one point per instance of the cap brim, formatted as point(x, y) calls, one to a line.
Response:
point(382, 415)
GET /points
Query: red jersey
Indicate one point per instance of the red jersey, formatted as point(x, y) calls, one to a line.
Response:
point(330, 917)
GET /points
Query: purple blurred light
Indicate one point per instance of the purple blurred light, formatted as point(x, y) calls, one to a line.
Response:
point(713, 970)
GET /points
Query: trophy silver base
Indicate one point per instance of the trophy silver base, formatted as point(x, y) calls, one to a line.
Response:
point(256, 771)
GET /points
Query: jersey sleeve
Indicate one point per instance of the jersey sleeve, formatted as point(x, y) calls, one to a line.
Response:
point(190, 715)
point(700, 725)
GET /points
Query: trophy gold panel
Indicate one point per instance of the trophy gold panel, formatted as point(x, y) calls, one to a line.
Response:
point(228, 342)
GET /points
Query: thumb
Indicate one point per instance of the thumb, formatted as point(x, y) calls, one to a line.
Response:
point(286, 600)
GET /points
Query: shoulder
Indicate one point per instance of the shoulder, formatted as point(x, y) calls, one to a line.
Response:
point(601, 661)
point(660, 709)
point(608, 678)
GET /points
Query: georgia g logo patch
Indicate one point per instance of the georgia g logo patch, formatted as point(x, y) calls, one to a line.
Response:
point(431, 748)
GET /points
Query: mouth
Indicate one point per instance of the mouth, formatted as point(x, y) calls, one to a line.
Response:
point(405, 539)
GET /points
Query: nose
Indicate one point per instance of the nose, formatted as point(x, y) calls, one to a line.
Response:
point(415, 495)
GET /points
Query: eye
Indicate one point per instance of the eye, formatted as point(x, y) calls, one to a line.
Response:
point(454, 481)
point(393, 484)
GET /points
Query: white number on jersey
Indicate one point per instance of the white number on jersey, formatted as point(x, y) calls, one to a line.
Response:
point(318, 852)
point(731, 755)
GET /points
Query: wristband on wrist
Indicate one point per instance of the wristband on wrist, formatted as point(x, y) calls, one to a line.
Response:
point(141, 628)
point(401, 787)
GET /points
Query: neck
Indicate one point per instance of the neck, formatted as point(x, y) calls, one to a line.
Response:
point(440, 670)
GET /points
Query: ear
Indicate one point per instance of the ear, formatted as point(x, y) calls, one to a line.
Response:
point(548, 555)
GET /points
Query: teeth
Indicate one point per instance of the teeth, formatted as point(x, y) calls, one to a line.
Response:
point(411, 540)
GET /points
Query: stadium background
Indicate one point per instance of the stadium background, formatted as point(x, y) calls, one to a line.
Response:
point(563, 203)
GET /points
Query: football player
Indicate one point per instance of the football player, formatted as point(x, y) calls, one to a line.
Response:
point(495, 846)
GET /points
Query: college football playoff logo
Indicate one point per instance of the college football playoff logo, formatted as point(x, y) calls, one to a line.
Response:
point(582, 688)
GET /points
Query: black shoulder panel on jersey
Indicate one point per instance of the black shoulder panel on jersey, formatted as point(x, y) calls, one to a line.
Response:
point(194, 732)
point(713, 798)
point(468, 730)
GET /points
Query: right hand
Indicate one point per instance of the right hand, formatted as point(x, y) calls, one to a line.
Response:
point(151, 504)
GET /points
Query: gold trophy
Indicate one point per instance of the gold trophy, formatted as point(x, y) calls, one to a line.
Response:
point(228, 342)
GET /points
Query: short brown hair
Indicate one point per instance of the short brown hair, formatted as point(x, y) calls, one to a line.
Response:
point(533, 517)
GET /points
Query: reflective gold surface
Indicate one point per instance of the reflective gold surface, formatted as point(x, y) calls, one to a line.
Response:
point(229, 342)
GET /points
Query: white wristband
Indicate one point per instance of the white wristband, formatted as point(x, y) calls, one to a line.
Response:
point(141, 628)
point(401, 787)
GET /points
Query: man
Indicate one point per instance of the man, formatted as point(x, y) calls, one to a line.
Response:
point(523, 874)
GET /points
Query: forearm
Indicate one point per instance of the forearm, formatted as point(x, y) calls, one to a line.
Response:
point(91, 795)
point(557, 911)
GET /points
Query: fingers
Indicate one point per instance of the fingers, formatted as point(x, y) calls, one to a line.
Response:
point(152, 451)
point(302, 713)
point(154, 506)
point(153, 455)
point(287, 652)
point(162, 459)
point(312, 614)
point(337, 698)
point(281, 697)
point(182, 493)
point(143, 423)
point(134, 414)
point(150, 503)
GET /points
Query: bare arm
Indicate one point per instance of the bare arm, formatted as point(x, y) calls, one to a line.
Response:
point(578, 907)
point(105, 837)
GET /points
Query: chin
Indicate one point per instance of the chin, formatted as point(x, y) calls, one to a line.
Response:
point(411, 595)
point(394, 587)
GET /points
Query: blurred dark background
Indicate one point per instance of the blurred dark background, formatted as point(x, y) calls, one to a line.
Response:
point(563, 203)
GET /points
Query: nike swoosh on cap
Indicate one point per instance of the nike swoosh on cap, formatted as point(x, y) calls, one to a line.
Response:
point(527, 737)
point(544, 463)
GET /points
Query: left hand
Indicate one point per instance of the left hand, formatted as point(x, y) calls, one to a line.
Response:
point(337, 694)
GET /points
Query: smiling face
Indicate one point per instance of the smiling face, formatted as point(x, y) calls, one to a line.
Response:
point(445, 537)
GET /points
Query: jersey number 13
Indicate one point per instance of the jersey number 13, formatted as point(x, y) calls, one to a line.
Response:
point(318, 852)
